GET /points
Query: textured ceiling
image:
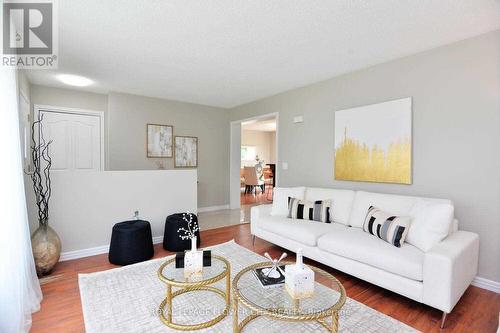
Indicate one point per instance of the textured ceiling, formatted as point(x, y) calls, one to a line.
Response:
point(226, 53)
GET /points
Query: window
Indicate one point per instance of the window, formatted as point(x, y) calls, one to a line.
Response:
point(248, 153)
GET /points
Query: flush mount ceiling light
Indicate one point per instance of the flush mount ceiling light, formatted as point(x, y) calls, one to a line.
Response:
point(75, 80)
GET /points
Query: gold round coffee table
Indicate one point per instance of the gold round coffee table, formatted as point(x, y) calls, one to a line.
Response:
point(174, 278)
point(276, 304)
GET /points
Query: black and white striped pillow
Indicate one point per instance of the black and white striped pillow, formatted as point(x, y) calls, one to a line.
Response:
point(390, 228)
point(308, 210)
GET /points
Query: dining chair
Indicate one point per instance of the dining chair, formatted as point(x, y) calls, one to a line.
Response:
point(252, 181)
point(268, 182)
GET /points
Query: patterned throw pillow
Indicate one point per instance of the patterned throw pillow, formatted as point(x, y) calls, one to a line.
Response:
point(308, 210)
point(392, 229)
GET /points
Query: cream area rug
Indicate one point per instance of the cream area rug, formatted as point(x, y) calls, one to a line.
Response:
point(126, 299)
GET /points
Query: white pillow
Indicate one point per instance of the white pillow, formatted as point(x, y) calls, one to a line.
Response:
point(431, 223)
point(280, 199)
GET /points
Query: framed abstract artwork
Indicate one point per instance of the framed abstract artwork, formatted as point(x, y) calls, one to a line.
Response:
point(373, 143)
point(159, 140)
point(185, 152)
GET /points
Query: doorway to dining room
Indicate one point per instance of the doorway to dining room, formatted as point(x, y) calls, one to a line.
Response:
point(255, 142)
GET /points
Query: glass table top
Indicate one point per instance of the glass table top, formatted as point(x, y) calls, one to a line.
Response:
point(168, 271)
point(328, 294)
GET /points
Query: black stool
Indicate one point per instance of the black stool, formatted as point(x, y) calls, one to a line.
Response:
point(171, 237)
point(131, 242)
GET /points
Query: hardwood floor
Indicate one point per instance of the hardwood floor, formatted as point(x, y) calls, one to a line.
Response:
point(477, 311)
point(258, 198)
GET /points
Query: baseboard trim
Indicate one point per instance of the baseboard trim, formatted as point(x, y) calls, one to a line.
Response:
point(486, 284)
point(212, 208)
point(92, 251)
point(70, 255)
point(157, 239)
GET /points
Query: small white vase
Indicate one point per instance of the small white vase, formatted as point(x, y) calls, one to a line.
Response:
point(299, 279)
point(193, 262)
point(193, 244)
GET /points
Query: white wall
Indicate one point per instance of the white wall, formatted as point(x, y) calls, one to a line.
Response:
point(68, 98)
point(85, 205)
point(128, 116)
point(273, 151)
point(263, 142)
point(235, 166)
point(456, 131)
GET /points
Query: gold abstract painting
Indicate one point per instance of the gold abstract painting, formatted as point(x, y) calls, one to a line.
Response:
point(373, 143)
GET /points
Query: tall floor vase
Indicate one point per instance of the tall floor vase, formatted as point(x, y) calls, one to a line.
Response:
point(46, 247)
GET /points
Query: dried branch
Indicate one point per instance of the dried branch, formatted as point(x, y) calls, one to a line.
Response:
point(192, 228)
point(41, 177)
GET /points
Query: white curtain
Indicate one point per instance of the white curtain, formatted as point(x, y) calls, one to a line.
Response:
point(20, 293)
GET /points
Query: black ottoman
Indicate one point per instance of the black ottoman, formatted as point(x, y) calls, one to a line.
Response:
point(131, 242)
point(171, 238)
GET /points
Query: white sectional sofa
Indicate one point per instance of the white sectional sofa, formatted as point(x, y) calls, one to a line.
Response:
point(434, 266)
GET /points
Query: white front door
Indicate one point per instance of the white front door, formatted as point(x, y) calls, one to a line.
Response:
point(76, 140)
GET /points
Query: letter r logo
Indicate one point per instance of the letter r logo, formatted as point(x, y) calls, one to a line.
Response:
point(27, 28)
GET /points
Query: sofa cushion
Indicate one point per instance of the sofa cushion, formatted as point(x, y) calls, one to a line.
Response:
point(341, 201)
point(305, 232)
point(431, 223)
point(280, 199)
point(353, 243)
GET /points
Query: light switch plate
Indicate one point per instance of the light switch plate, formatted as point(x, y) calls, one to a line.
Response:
point(284, 166)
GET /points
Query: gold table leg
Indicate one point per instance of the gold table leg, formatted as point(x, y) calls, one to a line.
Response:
point(235, 315)
point(228, 289)
point(169, 303)
point(335, 322)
